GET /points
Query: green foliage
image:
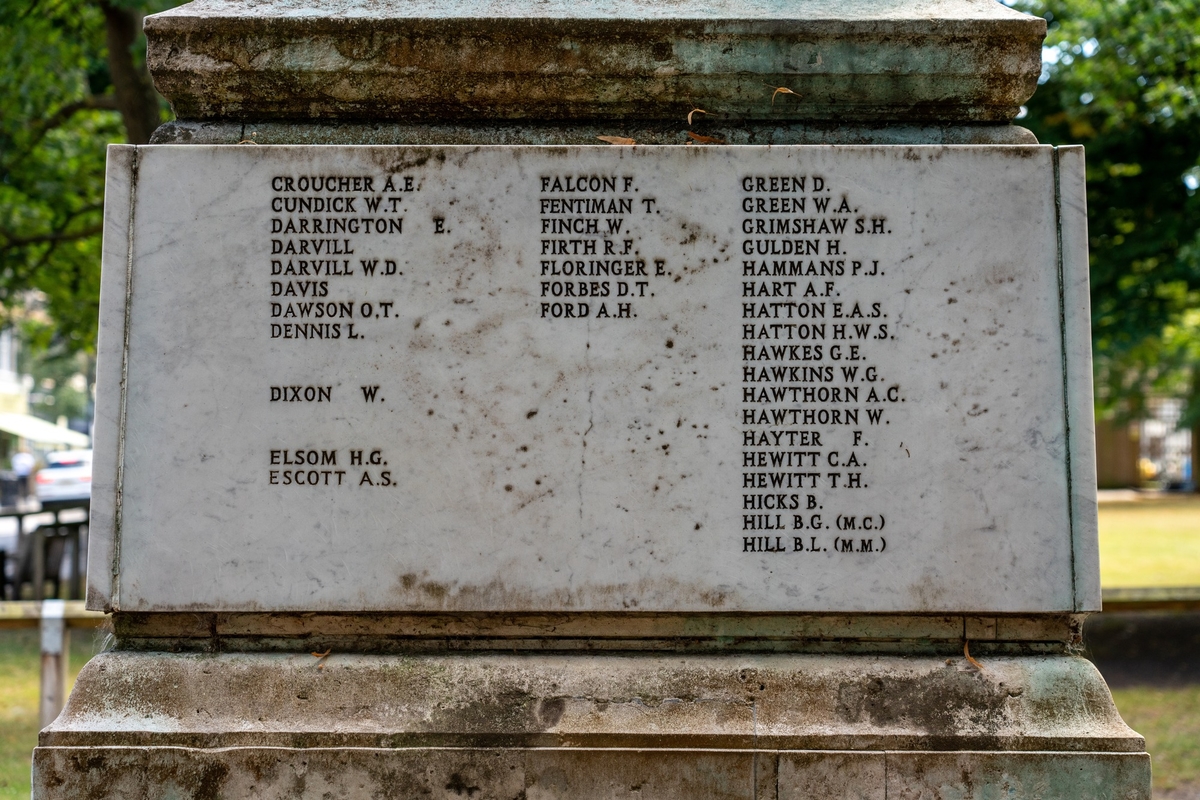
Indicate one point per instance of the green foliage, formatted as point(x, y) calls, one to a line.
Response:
point(53, 131)
point(58, 111)
point(1123, 79)
point(60, 386)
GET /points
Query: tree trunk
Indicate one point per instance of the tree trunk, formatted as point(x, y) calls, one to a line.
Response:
point(1191, 408)
point(136, 98)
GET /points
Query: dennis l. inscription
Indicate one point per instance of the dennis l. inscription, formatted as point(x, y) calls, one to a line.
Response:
point(595, 378)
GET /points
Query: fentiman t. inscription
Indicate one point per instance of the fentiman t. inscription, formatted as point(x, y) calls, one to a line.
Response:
point(529, 378)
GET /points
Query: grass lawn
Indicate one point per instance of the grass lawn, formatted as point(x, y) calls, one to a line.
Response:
point(20, 662)
point(1150, 542)
point(1169, 718)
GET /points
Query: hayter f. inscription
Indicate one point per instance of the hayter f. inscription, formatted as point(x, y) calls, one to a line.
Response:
point(813, 334)
point(791, 378)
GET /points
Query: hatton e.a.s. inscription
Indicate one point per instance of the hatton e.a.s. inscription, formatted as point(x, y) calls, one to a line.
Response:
point(594, 378)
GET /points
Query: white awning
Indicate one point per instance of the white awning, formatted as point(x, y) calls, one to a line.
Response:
point(40, 431)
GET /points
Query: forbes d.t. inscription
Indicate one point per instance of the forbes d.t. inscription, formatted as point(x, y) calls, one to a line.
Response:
point(526, 378)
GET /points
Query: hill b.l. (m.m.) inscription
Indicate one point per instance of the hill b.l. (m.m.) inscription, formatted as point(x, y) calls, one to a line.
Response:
point(795, 379)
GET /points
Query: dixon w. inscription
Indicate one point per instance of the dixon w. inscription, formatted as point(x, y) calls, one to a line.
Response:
point(595, 378)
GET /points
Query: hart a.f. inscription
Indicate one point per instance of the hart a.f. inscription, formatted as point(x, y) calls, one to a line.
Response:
point(531, 378)
point(791, 261)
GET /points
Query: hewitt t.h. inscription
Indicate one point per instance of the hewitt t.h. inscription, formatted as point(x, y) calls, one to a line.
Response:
point(595, 378)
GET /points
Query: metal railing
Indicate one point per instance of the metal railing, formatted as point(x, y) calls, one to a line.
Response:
point(30, 559)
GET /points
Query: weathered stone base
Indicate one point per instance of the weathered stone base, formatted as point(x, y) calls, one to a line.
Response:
point(532, 774)
point(151, 725)
point(642, 132)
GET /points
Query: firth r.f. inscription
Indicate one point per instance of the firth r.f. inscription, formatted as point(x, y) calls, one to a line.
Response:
point(796, 378)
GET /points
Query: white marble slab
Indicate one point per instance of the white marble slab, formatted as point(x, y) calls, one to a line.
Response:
point(505, 456)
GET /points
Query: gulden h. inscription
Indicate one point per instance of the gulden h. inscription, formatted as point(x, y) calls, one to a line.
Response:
point(594, 378)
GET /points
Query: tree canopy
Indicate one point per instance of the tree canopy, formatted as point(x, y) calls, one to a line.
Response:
point(73, 79)
point(1122, 77)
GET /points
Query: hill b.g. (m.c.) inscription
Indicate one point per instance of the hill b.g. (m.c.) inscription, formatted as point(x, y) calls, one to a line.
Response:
point(793, 379)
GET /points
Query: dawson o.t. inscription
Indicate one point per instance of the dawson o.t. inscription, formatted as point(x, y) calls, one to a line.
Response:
point(592, 378)
point(805, 339)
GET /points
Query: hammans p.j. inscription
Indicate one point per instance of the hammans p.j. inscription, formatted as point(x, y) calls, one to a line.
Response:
point(692, 379)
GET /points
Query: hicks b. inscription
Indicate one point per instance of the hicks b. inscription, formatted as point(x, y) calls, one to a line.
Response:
point(601, 378)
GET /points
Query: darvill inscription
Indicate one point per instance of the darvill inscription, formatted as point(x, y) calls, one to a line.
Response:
point(595, 378)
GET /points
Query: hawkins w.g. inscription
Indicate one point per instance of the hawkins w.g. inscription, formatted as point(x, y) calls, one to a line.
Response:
point(594, 378)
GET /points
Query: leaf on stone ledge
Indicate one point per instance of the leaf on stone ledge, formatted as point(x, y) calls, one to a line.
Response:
point(967, 655)
point(616, 139)
point(695, 111)
point(781, 90)
point(698, 139)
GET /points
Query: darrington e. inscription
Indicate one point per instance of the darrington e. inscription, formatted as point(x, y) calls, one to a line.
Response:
point(532, 378)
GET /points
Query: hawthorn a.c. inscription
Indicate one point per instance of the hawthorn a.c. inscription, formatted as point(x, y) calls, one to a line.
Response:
point(766, 378)
point(810, 391)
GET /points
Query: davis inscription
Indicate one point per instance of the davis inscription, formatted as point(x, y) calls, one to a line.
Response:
point(807, 360)
point(530, 378)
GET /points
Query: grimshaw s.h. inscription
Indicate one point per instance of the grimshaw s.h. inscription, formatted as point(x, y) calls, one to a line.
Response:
point(577, 378)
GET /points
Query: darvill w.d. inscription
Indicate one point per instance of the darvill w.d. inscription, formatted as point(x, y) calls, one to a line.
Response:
point(595, 378)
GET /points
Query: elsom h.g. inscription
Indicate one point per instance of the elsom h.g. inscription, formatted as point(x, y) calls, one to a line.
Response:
point(595, 378)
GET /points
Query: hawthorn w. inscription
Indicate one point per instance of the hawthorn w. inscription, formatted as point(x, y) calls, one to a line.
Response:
point(814, 329)
point(811, 327)
point(794, 378)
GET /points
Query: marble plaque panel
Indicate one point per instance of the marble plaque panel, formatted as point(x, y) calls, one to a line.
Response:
point(681, 379)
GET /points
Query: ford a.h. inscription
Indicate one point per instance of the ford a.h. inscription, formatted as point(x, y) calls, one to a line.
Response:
point(801, 379)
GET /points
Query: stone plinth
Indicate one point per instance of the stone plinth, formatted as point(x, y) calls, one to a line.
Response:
point(496, 726)
point(541, 553)
point(949, 61)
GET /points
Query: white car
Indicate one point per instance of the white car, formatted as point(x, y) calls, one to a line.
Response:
point(66, 476)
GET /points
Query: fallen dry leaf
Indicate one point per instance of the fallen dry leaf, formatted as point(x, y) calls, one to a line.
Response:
point(616, 139)
point(967, 655)
point(781, 90)
point(695, 111)
point(704, 139)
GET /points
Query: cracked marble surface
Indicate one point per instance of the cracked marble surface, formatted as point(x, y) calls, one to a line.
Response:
point(468, 426)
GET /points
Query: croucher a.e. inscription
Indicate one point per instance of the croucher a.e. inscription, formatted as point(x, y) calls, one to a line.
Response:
point(595, 378)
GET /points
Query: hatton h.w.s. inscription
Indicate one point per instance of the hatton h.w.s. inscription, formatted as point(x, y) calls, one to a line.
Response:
point(595, 378)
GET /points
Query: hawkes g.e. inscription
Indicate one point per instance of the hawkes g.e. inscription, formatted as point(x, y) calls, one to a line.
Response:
point(594, 378)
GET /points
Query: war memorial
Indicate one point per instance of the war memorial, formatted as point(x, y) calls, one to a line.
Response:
point(577, 400)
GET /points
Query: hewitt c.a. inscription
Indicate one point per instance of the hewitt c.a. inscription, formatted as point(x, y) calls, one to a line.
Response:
point(809, 389)
point(798, 378)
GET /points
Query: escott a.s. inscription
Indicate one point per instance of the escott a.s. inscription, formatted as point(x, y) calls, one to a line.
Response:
point(594, 378)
